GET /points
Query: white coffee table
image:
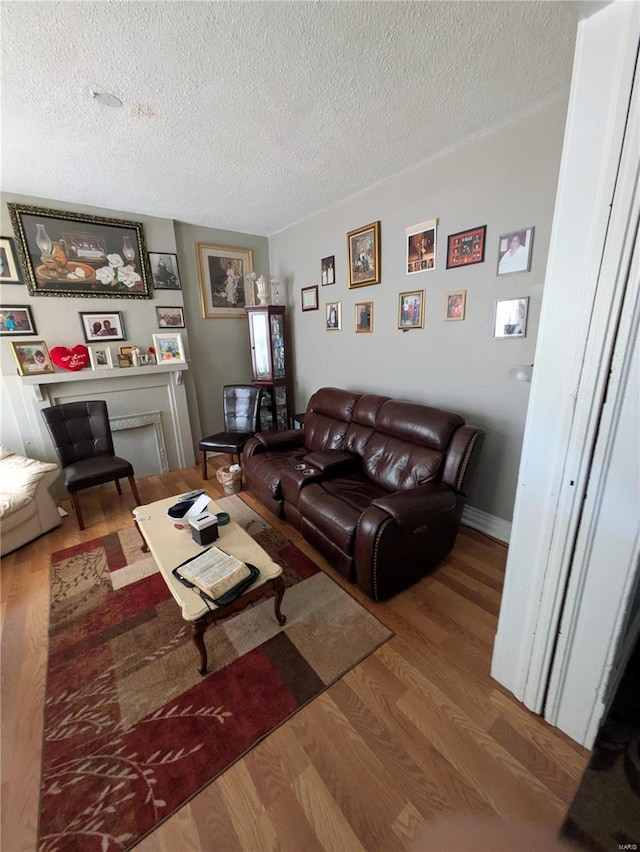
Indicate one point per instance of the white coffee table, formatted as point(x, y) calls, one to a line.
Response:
point(170, 548)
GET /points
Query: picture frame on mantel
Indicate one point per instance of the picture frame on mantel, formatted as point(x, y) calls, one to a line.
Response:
point(225, 280)
point(78, 255)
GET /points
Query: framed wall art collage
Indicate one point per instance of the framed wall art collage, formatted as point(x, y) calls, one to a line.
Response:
point(65, 254)
point(464, 248)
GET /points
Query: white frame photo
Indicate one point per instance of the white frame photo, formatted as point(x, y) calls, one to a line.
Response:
point(97, 362)
point(160, 344)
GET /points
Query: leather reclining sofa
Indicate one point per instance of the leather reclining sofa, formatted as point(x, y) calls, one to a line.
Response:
point(376, 485)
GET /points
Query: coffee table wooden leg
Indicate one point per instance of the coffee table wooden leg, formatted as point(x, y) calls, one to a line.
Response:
point(145, 546)
point(198, 629)
point(279, 587)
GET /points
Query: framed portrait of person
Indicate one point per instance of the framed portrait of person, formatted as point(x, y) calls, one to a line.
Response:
point(333, 316)
point(363, 250)
point(101, 326)
point(411, 309)
point(455, 305)
point(32, 358)
point(364, 317)
point(514, 251)
point(164, 271)
point(421, 247)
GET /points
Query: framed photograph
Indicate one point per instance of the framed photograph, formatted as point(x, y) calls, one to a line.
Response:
point(164, 271)
point(466, 247)
point(333, 316)
point(328, 270)
point(421, 247)
point(170, 317)
point(411, 309)
point(511, 317)
point(310, 298)
point(100, 357)
point(15, 320)
point(10, 272)
point(97, 326)
point(514, 251)
point(169, 348)
point(73, 254)
point(226, 285)
point(32, 358)
point(363, 248)
point(364, 317)
point(455, 305)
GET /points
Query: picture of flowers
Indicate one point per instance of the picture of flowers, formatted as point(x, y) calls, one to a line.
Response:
point(169, 348)
point(73, 254)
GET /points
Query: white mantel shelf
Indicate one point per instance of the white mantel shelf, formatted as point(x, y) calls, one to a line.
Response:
point(115, 373)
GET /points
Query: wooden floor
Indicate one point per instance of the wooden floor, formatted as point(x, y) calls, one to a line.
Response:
point(415, 731)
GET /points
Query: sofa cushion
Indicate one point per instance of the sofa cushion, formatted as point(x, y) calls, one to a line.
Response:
point(328, 415)
point(15, 509)
point(334, 506)
point(21, 475)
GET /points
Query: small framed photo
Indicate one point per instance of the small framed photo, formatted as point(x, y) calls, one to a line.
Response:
point(10, 272)
point(514, 251)
point(455, 305)
point(100, 357)
point(421, 247)
point(411, 309)
point(164, 269)
point(32, 358)
point(364, 317)
point(466, 247)
point(16, 320)
point(511, 317)
point(97, 326)
point(310, 298)
point(170, 317)
point(169, 348)
point(333, 316)
point(363, 249)
point(328, 270)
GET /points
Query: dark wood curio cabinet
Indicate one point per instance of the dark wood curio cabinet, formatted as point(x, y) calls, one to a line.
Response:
point(269, 364)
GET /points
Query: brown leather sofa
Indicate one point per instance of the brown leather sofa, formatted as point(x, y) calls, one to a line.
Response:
point(375, 484)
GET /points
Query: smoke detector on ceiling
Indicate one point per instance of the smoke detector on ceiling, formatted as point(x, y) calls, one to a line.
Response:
point(105, 99)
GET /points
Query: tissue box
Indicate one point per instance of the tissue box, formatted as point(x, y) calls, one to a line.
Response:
point(204, 528)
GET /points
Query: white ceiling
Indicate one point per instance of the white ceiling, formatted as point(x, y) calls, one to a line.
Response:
point(254, 115)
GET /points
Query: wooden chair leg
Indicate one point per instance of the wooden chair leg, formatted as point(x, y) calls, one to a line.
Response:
point(76, 506)
point(134, 490)
point(204, 464)
point(119, 490)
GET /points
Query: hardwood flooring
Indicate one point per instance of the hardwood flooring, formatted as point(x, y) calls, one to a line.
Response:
point(416, 731)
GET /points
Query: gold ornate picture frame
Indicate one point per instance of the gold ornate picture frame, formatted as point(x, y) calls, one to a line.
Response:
point(363, 249)
point(225, 283)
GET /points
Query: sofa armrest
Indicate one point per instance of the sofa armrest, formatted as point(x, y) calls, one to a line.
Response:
point(334, 461)
point(416, 506)
point(290, 439)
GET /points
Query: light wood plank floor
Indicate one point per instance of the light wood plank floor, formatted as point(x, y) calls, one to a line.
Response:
point(415, 731)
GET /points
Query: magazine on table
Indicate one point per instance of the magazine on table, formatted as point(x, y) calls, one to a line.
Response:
point(221, 576)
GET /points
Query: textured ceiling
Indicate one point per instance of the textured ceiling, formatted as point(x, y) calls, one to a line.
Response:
point(253, 115)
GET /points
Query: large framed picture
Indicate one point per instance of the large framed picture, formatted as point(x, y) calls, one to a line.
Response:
point(170, 317)
point(225, 280)
point(164, 270)
point(169, 348)
point(514, 251)
point(466, 247)
point(16, 320)
point(73, 254)
point(364, 317)
point(98, 326)
point(9, 267)
point(511, 317)
point(421, 247)
point(411, 309)
point(363, 248)
point(32, 358)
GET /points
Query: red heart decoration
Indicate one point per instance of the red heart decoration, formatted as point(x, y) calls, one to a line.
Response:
point(70, 359)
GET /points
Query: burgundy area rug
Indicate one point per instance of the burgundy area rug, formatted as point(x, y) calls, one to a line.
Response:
point(131, 729)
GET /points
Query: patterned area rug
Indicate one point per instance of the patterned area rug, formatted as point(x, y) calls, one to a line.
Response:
point(131, 729)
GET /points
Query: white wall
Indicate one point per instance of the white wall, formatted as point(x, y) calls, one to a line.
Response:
point(506, 180)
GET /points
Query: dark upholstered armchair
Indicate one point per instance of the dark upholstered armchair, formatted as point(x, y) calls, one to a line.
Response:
point(241, 407)
point(81, 436)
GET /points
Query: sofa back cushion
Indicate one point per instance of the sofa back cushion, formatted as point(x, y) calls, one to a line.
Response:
point(363, 423)
point(409, 444)
point(327, 419)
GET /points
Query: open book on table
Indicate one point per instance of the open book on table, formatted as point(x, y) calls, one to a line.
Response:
point(217, 574)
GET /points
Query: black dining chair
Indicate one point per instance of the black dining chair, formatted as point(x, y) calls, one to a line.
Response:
point(81, 436)
point(241, 407)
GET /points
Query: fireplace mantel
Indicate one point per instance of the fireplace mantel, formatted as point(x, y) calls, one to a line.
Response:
point(87, 374)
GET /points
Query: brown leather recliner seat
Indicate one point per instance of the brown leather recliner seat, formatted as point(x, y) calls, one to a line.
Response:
point(381, 495)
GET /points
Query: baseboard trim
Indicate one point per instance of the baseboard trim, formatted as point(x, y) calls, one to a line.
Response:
point(488, 524)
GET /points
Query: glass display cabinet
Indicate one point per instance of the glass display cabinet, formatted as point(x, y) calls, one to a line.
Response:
point(269, 364)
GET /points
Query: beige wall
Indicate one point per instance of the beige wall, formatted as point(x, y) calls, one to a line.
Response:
point(506, 180)
point(217, 349)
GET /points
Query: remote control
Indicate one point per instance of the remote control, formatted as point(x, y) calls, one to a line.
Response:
point(191, 495)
